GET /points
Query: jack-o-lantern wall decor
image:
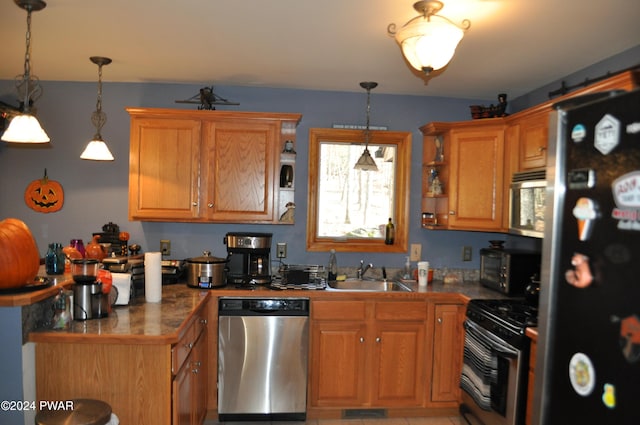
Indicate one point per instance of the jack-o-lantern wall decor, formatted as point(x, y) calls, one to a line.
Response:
point(44, 195)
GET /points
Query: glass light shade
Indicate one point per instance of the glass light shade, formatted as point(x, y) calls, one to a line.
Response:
point(25, 128)
point(97, 150)
point(429, 44)
point(366, 162)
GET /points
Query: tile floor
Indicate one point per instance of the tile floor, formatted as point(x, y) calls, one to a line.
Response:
point(453, 420)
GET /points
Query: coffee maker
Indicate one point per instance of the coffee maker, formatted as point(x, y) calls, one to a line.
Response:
point(249, 258)
point(89, 302)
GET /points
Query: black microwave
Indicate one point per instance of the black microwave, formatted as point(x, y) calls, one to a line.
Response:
point(508, 270)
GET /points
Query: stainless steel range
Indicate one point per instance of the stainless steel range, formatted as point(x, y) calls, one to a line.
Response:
point(496, 356)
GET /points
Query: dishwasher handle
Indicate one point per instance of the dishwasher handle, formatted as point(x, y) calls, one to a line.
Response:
point(263, 307)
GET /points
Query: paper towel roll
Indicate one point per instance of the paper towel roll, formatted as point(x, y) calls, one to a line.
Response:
point(153, 277)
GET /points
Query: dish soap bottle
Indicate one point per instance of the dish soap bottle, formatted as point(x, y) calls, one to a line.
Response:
point(406, 273)
point(390, 233)
point(332, 269)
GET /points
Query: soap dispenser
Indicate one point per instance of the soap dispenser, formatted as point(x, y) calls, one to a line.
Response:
point(406, 273)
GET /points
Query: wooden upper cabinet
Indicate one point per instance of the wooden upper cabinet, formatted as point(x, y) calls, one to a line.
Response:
point(240, 165)
point(533, 134)
point(207, 166)
point(164, 166)
point(472, 173)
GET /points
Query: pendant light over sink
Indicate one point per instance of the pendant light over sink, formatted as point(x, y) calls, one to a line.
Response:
point(366, 162)
point(97, 149)
point(25, 127)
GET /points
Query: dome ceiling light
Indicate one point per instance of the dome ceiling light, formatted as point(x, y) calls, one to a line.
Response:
point(429, 41)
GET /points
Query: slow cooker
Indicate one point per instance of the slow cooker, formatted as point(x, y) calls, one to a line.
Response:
point(206, 271)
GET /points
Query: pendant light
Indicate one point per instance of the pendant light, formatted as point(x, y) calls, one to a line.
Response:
point(25, 127)
point(97, 149)
point(366, 162)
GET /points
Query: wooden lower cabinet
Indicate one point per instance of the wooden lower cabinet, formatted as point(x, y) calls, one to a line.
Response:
point(144, 383)
point(533, 334)
point(367, 353)
point(446, 324)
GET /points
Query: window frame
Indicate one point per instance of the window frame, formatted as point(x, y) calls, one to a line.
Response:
point(402, 181)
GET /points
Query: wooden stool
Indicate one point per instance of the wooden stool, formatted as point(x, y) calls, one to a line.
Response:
point(85, 412)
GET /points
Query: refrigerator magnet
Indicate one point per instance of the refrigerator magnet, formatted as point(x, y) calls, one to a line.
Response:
point(578, 133)
point(580, 275)
point(609, 396)
point(607, 134)
point(586, 212)
point(582, 374)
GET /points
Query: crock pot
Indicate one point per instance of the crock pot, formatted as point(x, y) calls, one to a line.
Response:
point(206, 271)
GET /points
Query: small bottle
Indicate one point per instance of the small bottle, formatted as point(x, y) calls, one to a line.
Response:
point(332, 269)
point(390, 233)
point(406, 273)
point(54, 259)
point(79, 245)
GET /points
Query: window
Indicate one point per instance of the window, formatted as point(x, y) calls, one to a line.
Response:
point(348, 208)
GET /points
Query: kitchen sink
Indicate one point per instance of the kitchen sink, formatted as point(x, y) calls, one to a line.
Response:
point(368, 285)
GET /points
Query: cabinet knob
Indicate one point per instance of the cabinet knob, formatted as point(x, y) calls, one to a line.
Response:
point(542, 148)
point(195, 371)
point(452, 212)
point(439, 319)
point(210, 204)
point(195, 204)
point(189, 346)
point(378, 339)
point(204, 321)
point(361, 340)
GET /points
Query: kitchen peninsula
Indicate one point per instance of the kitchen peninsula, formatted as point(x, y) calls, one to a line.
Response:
point(157, 363)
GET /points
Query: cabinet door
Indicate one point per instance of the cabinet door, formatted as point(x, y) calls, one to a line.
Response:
point(476, 179)
point(164, 169)
point(183, 387)
point(534, 137)
point(448, 340)
point(338, 364)
point(240, 165)
point(399, 361)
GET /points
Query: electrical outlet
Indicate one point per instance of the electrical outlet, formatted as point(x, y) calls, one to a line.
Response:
point(467, 253)
point(165, 247)
point(281, 250)
point(416, 252)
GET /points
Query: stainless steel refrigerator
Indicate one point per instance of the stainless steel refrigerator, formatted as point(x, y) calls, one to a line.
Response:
point(588, 360)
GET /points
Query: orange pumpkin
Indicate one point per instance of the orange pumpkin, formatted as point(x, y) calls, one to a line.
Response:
point(44, 195)
point(19, 256)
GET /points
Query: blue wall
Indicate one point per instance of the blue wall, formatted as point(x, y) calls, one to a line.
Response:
point(96, 193)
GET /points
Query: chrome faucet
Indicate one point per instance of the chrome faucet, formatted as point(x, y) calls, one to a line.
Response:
point(363, 269)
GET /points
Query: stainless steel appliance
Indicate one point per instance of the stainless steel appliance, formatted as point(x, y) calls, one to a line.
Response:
point(262, 358)
point(206, 271)
point(508, 270)
point(496, 359)
point(249, 257)
point(527, 203)
point(589, 333)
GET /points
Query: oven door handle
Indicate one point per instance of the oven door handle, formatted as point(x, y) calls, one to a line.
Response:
point(494, 342)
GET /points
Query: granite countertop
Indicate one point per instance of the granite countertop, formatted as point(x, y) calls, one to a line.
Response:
point(161, 323)
point(137, 323)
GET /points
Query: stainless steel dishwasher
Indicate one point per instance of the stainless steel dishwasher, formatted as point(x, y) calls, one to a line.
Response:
point(263, 346)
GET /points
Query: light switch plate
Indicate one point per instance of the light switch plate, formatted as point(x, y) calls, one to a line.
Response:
point(416, 252)
point(467, 253)
point(281, 250)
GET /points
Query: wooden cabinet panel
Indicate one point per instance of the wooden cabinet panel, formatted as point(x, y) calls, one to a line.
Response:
point(338, 359)
point(164, 169)
point(399, 359)
point(476, 179)
point(241, 164)
point(448, 340)
point(534, 137)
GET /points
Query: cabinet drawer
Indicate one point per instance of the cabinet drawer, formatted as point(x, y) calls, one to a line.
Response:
point(338, 310)
point(181, 350)
point(401, 310)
